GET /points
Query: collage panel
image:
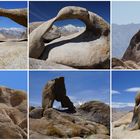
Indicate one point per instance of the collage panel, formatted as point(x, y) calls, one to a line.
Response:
point(126, 105)
point(13, 105)
point(125, 35)
point(13, 35)
point(69, 104)
point(69, 35)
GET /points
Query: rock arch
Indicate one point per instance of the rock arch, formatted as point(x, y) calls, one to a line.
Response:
point(55, 90)
point(17, 15)
point(96, 27)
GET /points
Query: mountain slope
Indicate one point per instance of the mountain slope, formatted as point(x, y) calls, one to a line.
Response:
point(121, 36)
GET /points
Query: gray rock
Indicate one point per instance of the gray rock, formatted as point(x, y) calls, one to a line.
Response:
point(36, 113)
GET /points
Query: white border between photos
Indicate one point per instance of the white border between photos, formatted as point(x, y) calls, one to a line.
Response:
point(91, 70)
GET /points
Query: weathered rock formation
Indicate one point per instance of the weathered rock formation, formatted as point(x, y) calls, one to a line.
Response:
point(17, 15)
point(13, 114)
point(128, 126)
point(91, 46)
point(131, 58)
point(102, 114)
point(85, 123)
point(135, 124)
point(55, 90)
point(49, 36)
point(133, 51)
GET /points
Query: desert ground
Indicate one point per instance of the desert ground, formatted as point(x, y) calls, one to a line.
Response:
point(13, 55)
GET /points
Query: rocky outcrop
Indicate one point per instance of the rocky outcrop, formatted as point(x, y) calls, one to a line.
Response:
point(90, 45)
point(59, 124)
point(131, 57)
point(13, 113)
point(128, 126)
point(55, 90)
point(102, 114)
point(133, 51)
point(17, 15)
point(135, 123)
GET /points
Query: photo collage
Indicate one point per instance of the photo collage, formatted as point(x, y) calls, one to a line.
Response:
point(75, 66)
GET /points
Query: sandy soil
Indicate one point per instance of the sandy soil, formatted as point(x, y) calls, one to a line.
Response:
point(120, 128)
point(13, 55)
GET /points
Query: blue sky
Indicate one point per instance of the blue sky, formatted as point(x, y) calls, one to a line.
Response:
point(6, 22)
point(125, 84)
point(14, 79)
point(125, 12)
point(81, 86)
point(42, 11)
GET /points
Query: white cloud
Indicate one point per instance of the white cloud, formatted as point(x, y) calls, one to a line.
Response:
point(121, 105)
point(115, 92)
point(134, 89)
point(35, 103)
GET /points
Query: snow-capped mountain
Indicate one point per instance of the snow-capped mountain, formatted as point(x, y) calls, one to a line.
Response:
point(12, 33)
point(70, 29)
point(79, 103)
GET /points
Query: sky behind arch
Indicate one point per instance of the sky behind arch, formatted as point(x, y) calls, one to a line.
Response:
point(81, 86)
point(6, 22)
point(43, 11)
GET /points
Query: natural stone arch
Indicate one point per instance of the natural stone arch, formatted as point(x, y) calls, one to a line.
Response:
point(55, 90)
point(17, 15)
point(94, 24)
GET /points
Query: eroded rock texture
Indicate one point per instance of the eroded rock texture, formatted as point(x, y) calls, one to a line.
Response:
point(55, 90)
point(133, 51)
point(13, 114)
point(91, 46)
point(86, 122)
point(135, 124)
point(131, 57)
point(128, 126)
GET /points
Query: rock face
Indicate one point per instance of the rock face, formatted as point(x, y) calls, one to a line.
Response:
point(131, 57)
point(88, 110)
point(48, 37)
point(135, 124)
point(18, 15)
point(55, 90)
point(58, 124)
point(133, 51)
point(90, 45)
point(13, 113)
point(128, 126)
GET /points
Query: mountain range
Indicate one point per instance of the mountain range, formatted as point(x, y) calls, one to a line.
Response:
point(121, 36)
point(12, 33)
point(69, 29)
